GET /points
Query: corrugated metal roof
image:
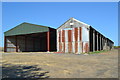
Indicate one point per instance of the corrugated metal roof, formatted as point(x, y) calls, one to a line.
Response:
point(26, 28)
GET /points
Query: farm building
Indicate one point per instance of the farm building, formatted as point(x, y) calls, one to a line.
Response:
point(28, 37)
point(77, 37)
point(71, 37)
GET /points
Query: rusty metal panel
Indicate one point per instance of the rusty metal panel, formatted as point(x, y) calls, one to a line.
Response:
point(80, 47)
point(85, 47)
point(60, 47)
point(63, 35)
point(59, 36)
point(76, 34)
point(64, 46)
point(69, 35)
point(70, 47)
point(76, 47)
point(80, 33)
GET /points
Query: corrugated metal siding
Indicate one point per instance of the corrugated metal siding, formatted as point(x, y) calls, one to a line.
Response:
point(10, 44)
point(26, 28)
point(72, 40)
point(85, 47)
point(69, 35)
point(76, 47)
point(63, 46)
point(11, 49)
point(81, 37)
point(80, 33)
point(74, 36)
point(66, 40)
point(59, 36)
point(63, 35)
point(70, 47)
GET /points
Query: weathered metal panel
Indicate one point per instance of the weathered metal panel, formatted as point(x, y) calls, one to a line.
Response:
point(93, 41)
point(69, 35)
point(80, 33)
point(76, 47)
point(85, 34)
point(66, 41)
point(64, 46)
point(10, 45)
point(85, 47)
point(97, 41)
point(59, 36)
point(100, 42)
point(75, 22)
point(11, 49)
point(63, 35)
point(81, 47)
point(60, 47)
point(70, 47)
point(76, 34)
point(73, 40)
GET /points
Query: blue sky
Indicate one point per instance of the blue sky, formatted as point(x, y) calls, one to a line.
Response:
point(103, 16)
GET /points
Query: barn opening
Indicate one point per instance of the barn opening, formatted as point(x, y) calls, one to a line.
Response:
point(28, 37)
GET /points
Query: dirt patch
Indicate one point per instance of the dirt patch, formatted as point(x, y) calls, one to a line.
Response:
point(102, 65)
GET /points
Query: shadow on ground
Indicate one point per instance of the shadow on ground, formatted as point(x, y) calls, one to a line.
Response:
point(22, 71)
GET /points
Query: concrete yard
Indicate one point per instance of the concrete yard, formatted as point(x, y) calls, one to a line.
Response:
point(57, 65)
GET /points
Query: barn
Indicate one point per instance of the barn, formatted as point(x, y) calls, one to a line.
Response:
point(77, 37)
point(28, 37)
point(73, 36)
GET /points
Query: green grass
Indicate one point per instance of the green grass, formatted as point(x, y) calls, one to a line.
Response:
point(96, 52)
point(116, 46)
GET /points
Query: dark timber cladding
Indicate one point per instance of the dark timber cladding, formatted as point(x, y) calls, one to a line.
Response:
point(28, 37)
point(98, 41)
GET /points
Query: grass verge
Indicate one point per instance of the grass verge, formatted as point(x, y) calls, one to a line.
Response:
point(96, 52)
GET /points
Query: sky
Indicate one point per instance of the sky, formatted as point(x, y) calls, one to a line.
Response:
point(103, 16)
